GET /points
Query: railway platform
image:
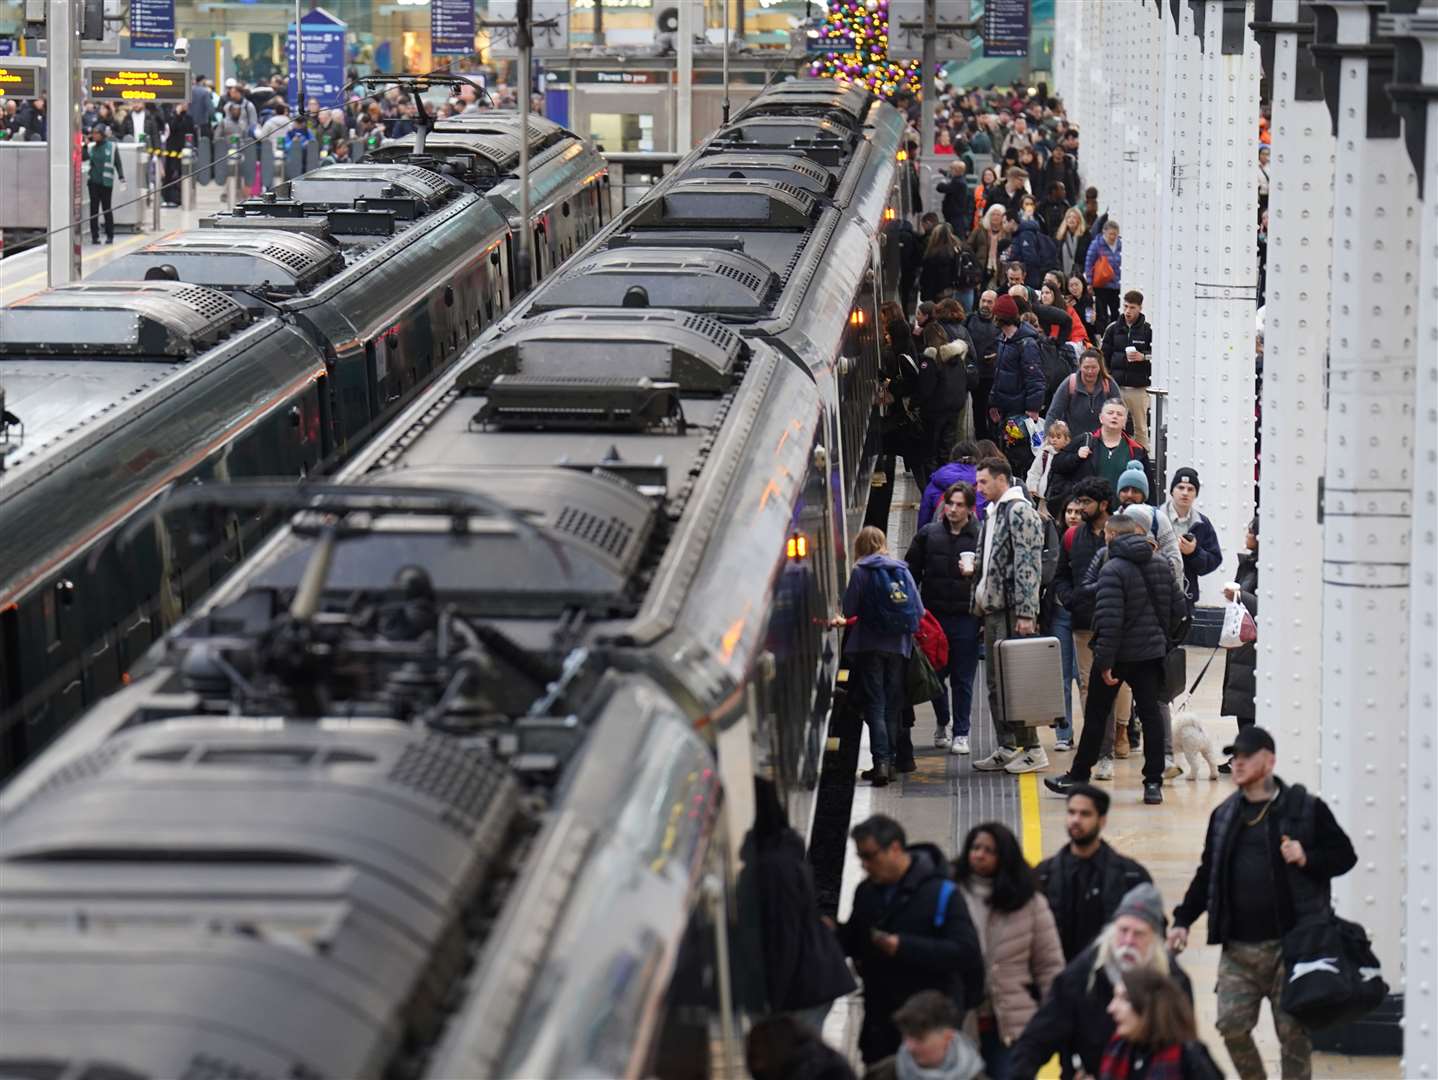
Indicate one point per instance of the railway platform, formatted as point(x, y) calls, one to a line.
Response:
point(946, 797)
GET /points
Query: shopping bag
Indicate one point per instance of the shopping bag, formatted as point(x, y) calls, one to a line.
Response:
point(920, 682)
point(1239, 628)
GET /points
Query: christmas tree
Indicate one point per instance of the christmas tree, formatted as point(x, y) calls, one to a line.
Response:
point(857, 33)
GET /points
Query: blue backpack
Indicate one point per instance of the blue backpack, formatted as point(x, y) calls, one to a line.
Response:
point(891, 603)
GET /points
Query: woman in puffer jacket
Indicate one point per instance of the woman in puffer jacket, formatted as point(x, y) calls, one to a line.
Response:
point(1020, 942)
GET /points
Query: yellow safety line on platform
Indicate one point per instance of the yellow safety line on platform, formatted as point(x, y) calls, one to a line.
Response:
point(1031, 836)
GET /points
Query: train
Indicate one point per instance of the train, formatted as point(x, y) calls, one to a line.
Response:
point(271, 341)
point(461, 772)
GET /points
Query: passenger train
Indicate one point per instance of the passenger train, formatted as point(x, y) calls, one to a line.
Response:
point(271, 341)
point(457, 775)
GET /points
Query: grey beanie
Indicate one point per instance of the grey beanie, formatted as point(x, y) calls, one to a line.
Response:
point(1144, 902)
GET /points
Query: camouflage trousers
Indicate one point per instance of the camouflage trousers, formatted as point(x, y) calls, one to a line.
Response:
point(1248, 972)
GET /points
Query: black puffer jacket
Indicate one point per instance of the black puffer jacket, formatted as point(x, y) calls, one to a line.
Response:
point(1116, 340)
point(985, 334)
point(933, 559)
point(1074, 1018)
point(1127, 624)
point(1070, 587)
point(1240, 666)
point(945, 958)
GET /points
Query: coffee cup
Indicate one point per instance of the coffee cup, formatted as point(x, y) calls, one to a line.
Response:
point(966, 562)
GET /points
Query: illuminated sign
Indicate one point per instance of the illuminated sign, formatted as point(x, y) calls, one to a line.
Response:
point(19, 82)
point(116, 83)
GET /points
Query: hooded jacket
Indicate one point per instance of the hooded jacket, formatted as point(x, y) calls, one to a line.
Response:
point(933, 559)
point(803, 966)
point(939, 482)
point(929, 957)
point(1135, 597)
point(862, 638)
point(1012, 576)
point(1078, 406)
point(1207, 555)
point(1018, 374)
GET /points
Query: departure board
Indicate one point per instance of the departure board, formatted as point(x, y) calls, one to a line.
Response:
point(115, 82)
point(19, 82)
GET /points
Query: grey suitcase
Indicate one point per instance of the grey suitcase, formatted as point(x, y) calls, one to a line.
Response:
point(1031, 682)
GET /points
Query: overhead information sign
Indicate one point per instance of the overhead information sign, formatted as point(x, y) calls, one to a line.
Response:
point(19, 82)
point(451, 27)
point(550, 19)
point(906, 30)
point(115, 82)
point(152, 24)
point(1006, 28)
point(324, 59)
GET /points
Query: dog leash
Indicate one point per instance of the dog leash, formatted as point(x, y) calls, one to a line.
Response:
point(1194, 688)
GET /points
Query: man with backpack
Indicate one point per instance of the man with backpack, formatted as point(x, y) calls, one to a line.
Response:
point(1137, 608)
point(909, 931)
point(1018, 388)
point(1010, 578)
point(1268, 858)
point(883, 610)
point(1080, 398)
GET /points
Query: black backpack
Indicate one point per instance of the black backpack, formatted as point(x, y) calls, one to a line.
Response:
point(969, 273)
point(1056, 367)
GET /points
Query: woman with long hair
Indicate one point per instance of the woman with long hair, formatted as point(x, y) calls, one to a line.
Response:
point(1072, 239)
point(1017, 933)
point(1054, 295)
point(1080, 301)
point(988, 242)
point(988, 182)
point(1155, 1036)
point(939, 271)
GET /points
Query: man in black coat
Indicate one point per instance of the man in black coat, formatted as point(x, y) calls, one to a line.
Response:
point(958, 205)
point(1127, 347)
point(909, 931)
point(1268, 858)
point(985, 335)
point(1074, 1018)
point(1086, 880)
point(1018, 388)
point(1135, 603)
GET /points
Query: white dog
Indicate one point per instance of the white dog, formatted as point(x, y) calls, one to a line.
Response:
point(1192, 740)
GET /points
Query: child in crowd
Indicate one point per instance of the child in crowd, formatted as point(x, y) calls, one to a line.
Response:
point(1056, 438)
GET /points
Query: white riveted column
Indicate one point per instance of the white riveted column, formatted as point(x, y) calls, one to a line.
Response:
point(1368, 477)
point(1300, 257)
point(1219, 383)
point(1141, 148)
point(1415, 91)
point(1066, 20)
point(1176, 342)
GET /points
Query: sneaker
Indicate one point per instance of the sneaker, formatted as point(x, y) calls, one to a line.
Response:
point(960, 745)
point(1060, 785)
point(1063, 745)
point(1030, 761)
point(999, 759)
point(1104, 769)
point(1152, 792)
point(941, 738)
point(1171, 771)
point(1120, 741)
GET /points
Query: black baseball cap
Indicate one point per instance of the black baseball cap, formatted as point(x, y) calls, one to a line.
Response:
point(1251, 739)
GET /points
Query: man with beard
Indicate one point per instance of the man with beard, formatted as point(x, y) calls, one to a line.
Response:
point(985, 335)
point(1086, 881)
point(1074, 1019)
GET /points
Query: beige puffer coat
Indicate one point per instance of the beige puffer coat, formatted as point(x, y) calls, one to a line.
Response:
point(1022, 956)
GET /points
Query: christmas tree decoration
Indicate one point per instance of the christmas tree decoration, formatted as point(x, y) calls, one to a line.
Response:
point(855, 36)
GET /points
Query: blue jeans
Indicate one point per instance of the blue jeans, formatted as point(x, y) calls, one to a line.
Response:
point(963, 634)
point(881, 678)
point(1064, 630)
point(996, 1055)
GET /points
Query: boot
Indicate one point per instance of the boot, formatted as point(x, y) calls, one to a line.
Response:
point(1120, 740)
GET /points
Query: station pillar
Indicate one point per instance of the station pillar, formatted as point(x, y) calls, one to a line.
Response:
point(1415, 92)
point(1366, 502)
point(1295, 423)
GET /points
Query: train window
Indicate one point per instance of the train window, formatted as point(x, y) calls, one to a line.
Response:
point(564, 208)
point(449, 296)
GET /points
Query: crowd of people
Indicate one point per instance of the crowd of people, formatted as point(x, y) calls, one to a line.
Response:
point(984, 966)
point(1015, 384)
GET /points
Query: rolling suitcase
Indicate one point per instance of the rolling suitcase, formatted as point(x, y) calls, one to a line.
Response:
point(1031, 682)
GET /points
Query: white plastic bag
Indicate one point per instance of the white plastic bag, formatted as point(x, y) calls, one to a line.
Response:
point(1238, 626)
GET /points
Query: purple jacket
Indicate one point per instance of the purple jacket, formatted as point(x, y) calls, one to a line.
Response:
point(942, 477)
point(862, 638)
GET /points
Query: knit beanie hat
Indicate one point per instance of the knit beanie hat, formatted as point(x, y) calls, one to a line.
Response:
point(1005, 310)
point(1133, 476)
point(1144, 902)
point(1184, 475)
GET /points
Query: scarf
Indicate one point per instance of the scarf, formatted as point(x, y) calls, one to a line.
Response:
point(1121, 1058)
point(962, 1062)
point(977, 892)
